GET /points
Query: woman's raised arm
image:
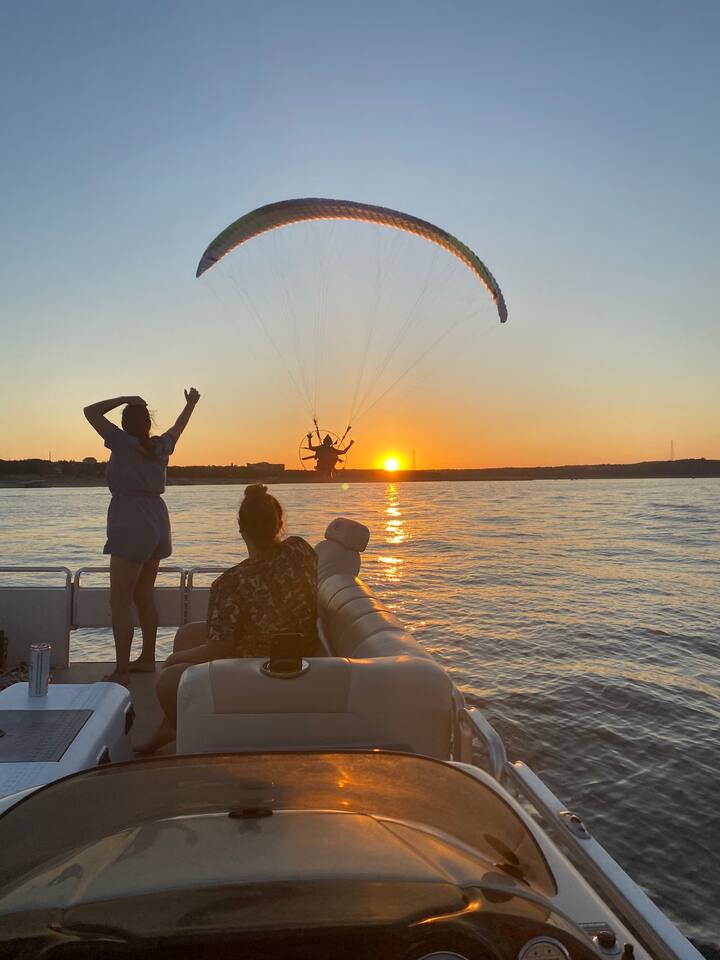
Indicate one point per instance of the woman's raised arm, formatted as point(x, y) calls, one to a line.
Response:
point(95, 412)
point(191, 399)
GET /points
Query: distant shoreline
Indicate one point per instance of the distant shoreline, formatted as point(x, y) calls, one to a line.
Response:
point(46, 475)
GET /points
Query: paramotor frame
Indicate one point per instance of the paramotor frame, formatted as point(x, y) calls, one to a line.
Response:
point(307, 457)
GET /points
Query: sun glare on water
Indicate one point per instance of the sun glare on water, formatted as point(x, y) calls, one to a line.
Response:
point(391, 464)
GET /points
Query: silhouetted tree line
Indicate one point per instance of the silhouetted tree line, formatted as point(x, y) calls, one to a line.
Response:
point(220, 472)
point(79, 468)
point(699, 467)
point(51, 468)
point(649, 469)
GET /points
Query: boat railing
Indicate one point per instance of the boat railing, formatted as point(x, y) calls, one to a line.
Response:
point(196, 598)
point(91, 604)
point(66, 571)
point(660, 936)
point(47, 617)
point(57, 610)
point(474, 726)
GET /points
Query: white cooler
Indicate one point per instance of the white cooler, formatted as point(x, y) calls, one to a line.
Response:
point(75, 727)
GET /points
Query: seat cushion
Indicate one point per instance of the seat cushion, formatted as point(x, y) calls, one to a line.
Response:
point(395, 703)
point(355, 624)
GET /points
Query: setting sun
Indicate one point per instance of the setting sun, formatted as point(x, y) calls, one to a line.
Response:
point(391, 464)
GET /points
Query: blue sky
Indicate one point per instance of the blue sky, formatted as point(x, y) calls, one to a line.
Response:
point(574, 145)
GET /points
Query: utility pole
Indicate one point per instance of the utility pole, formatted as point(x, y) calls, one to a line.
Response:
point(413, 460)
point(672, 449)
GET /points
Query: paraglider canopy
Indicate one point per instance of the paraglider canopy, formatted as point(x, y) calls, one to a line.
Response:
point(285, 212)
point(351, 299)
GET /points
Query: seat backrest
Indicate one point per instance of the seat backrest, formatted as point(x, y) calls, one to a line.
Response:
point(354, 623)
point(357, 625)
point(401, 703)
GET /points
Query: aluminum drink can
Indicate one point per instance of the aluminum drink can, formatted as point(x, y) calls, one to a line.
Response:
point(39, 669)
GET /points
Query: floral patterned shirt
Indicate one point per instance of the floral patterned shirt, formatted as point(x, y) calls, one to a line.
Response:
point(257, 599)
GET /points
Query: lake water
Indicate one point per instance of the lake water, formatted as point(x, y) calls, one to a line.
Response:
point(582, 616)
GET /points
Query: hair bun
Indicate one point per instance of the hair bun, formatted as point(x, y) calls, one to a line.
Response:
point(255, 491)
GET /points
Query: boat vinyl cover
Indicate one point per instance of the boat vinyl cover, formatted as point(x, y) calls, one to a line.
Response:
point(86, 808)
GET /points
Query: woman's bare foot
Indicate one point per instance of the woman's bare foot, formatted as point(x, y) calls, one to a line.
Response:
point(122, 678)
point(141, 666)
point(162, 736)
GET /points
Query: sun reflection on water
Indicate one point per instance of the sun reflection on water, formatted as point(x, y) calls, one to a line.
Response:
point(391, 568)
point(394, 524)
point(391, 565)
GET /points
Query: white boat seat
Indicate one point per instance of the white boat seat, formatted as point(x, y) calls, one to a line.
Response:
point(390, 695)
point(354, 623)
point(357, 625)
point(401, 703)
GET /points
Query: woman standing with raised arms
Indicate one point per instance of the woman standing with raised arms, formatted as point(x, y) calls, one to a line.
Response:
point(138, 525)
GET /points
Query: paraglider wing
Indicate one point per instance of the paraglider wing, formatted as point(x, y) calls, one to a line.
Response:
point(285, 212)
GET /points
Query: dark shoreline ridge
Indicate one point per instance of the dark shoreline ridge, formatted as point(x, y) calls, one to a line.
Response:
point(69, 473)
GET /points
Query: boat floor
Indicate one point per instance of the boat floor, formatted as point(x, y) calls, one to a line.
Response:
point(142, 690)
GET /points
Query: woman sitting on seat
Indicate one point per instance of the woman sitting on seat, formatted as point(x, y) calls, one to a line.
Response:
point(273, 591)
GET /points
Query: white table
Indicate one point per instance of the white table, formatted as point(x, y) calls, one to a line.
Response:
point(75, 727)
